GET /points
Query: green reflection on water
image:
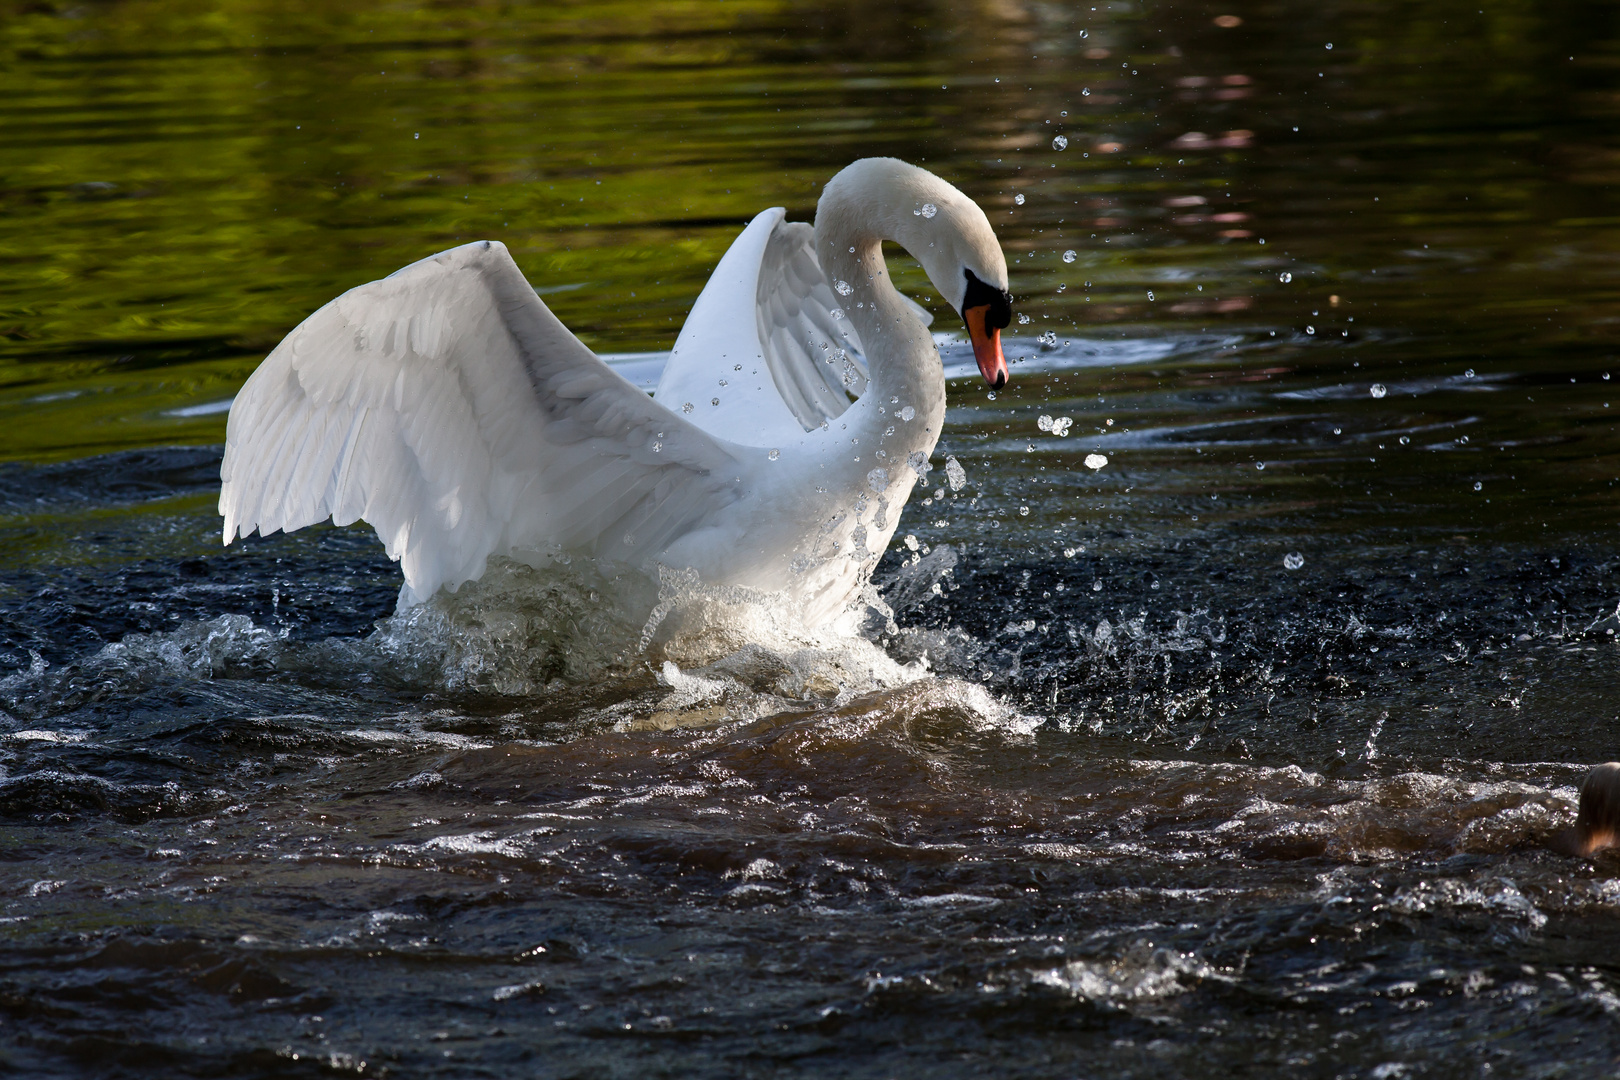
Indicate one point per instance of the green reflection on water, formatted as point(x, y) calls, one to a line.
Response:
point(182, 183)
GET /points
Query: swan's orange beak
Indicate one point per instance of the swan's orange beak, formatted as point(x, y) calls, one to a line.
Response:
point(986, 346)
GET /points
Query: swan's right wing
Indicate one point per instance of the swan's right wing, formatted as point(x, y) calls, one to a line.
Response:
point(447, 406)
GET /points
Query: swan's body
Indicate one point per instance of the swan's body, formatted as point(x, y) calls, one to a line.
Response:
point(447, 406)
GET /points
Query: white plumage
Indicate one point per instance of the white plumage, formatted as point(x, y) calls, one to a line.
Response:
point(449, 408)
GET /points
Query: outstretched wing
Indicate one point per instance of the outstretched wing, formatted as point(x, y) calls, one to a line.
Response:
point(449, 408)
point(767, 352)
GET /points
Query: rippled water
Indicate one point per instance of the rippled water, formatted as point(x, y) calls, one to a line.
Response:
point(1233, 756)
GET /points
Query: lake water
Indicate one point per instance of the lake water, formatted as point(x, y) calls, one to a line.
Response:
point(1235, 755)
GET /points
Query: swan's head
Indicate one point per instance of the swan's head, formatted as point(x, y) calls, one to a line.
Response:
point(887, 199)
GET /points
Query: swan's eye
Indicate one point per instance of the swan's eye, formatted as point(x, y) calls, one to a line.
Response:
point(999, 301)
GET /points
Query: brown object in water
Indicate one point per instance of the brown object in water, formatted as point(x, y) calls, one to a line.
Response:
point(1597, 825)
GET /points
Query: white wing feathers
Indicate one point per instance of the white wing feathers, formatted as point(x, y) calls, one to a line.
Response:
point(447, 406)
point(769, 324)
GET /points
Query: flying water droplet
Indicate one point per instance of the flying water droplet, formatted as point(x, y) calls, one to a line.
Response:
point(1060, 143)
point(1379, 390)
point(1310, 329)
point(773, 455)
point(907, 413)
point(1023, 511)
point(1061, 425)
point(1063, 287)
point(687, 407)
point(1070, 255)
point(714, 401)
point(1096, 461)
point(843, 288)
point(1150, 294)
point(955, 475)
point(1049, 339)
point(838, 313)
point(928, 210)
point(1023, 320)
point(1285, 277)
point(1018, 199)
point(1293, 561)
point(911, 542)
point(1478, 486)
point(1469, 374)
point(1044, 422)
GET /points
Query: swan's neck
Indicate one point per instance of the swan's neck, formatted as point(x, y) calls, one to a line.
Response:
point(903, 365)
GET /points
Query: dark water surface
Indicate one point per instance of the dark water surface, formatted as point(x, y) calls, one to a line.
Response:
point(1238, 753)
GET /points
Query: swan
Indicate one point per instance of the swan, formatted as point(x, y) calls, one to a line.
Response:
point(449, 408)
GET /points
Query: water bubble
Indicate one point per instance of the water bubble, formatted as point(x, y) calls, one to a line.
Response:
point(928, 210)
point(1018, 199)
point(907, 413)
point(1060, 143)
point(1285, 277)
point(843, 288)
point(1478, 486)
point(1469, 374)
point(1070, 255)
point(687, 407)
point(1293, 561)
point(1379, 389)
point(955, 475)
point(1096, 461)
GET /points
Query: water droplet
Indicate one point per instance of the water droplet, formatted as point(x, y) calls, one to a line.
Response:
point(1150, 294)
point(1023, 320)
point(991, 395)
point(1096, 586)
point(1060, 143)
point(928, 210)
point(774, 454)
point(907, 413)
point(838, 313)
point(1096, 461)
point(1023, 511)
point(1310, 329)
point(852, 251)
point(1061, 425)
point(911, 542)
point(843, 288)
point(724, 383)
point(714, 401)
point(955, 475)
point(1018, 199)
point(1293, 561)
point(1285, 277)
point(1070, 255)
point(1469, 374)
point(1338, 431)
point(1260, 465)
point(1478, 486)
point(657, 447)
point(1048, 339)
point(1044, 422)
point(878, 480)
point(1405, 439)
point(1379, 390)
point(1063, 287)
point(687, 407)
point(1085, 91)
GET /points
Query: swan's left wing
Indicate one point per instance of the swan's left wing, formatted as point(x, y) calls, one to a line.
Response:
point(766, 353)
point(447, 406)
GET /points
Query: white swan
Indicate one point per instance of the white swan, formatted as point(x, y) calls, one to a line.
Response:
point(449, 408)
